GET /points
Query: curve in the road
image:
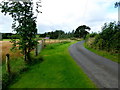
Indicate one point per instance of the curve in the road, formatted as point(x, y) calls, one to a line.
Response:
point(103, 72)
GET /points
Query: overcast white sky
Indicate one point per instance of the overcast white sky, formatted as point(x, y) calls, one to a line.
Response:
point(67, 15)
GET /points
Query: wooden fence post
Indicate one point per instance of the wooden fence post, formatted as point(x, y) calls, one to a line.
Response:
point(8, 63)
point(43, 43)
point(49, 41)
point(36, 50)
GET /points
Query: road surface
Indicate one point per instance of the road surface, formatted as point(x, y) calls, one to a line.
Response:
point(103, 72)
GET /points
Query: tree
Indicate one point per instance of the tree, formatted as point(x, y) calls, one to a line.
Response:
point(109, 38)
point(22, 14)
point(117, 4)
point(81, 31)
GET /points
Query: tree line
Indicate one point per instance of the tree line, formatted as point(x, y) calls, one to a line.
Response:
point(9, 36)
point(24, 24)
point(80, 32)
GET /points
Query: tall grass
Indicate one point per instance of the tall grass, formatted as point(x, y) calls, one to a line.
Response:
point(6, 46)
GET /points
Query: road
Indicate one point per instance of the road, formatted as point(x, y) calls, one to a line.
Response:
point(103, 72)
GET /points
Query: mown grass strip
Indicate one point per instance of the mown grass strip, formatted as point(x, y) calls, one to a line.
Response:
point(113, 57)
point(8, 39)
point(58, 70)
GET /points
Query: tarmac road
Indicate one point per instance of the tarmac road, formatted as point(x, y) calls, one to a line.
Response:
point(103, 72)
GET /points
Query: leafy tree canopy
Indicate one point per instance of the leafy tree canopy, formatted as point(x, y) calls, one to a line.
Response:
point(117, 4)
point(24, 24)
point(81, 31)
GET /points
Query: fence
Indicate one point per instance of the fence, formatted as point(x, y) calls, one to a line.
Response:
point(43, 42)
point(39, 47)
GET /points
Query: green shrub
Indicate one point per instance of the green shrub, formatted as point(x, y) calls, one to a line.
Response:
point(108, 39)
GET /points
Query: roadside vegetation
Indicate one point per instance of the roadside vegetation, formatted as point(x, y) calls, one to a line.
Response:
point(6, 48)
point(53, 67)
point(58, 70)
point(107, 42)
point(17, 64)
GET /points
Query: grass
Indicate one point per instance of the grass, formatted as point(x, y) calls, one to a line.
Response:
point(113, 57)
point(58, 70)
point(6, 46)
point(8, 39)
point(17, 67)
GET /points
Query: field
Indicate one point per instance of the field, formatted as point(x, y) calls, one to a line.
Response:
point(58, 70)
point(7, 45)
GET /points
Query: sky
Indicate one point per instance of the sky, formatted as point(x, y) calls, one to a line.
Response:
point(67, 15)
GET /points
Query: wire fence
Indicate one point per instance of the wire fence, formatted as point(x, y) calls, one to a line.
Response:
point(39, 46)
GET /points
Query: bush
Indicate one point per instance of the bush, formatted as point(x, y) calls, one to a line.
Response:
point(7, 79)
point(90, 35)
point(108, 39)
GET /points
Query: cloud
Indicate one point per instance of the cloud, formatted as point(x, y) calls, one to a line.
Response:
point(5, 23)
point(69, 14)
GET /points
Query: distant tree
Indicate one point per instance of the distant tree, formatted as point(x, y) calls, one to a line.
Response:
point(72, 34)
point(22, 14)
point(81, 31)
point(56, 34)
point(6, 35)
point(53, 35)
point(117, 4)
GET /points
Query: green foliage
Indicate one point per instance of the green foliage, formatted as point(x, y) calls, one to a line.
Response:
point(117, 4)
point(113, 57)
point(53, 35)
point(7, 79)
point(110, 36)
point(108, 39)
point(81, 31)
point(22, 14)
point(18, 67)
point(90, 35)
point(106, 43)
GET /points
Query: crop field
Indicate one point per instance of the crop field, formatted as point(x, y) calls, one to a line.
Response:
point(7, 45)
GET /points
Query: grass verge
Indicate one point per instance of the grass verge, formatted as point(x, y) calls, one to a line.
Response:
point(58, 70)
point(8, 39)
point(113, 57)
point(17, 68)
